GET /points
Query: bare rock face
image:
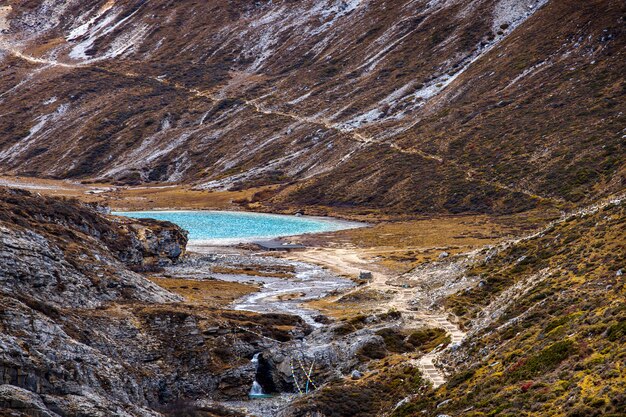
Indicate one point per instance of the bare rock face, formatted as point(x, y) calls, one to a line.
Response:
point(154, 243)
point(23, 401)
point(332, 357)
point(81, 334)
point(67, 255)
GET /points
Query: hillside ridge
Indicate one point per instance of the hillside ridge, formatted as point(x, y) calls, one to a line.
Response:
point(302, 126)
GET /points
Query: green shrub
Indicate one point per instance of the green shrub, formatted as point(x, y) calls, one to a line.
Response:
point(546, 360)
point(617, 331)
point(427, 339)
point(459, 378)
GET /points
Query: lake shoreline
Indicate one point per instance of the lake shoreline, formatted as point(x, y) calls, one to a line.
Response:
point(294, 226)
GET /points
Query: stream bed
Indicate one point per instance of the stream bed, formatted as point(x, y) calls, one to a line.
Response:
point(276, 295)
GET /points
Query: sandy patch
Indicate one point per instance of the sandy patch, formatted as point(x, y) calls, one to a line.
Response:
point(4, 20)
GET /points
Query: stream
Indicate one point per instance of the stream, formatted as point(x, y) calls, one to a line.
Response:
point(307, 282)
point(210, 233)
point(276, 295)
point(279, 295)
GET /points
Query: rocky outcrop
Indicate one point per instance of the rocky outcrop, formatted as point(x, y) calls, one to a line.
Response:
point(34, 268)
point(66, 254)
point(154, 243)
point(333, 353)
point(83, 335)
point(25, 402)
point(139, 243)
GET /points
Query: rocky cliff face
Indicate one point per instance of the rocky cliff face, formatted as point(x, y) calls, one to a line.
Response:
point(410, 106)
point(83, 335)
point(66, 254)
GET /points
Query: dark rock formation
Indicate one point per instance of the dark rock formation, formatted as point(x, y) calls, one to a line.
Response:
point(66, 254)
point(83, 335)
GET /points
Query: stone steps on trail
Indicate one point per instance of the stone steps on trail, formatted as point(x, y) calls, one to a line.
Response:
point(426, 364)
point(430, 371)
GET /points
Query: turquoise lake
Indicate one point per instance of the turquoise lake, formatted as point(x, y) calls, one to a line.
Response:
point(230, 226)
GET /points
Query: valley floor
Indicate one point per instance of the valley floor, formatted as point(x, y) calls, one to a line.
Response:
point(362, 331)
point(390, 251)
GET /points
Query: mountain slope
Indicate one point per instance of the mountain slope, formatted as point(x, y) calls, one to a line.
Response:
point(416, 106)
point(545, 330)
point(546, 326)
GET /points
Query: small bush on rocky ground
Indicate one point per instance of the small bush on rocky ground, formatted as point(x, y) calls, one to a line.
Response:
point(187, 408)
point(364, 398)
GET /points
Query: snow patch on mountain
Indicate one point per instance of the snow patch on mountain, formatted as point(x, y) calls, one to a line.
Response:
point(528, 71)
point(335, 12)
point(101, 25)
point(360, 120)
point(401, 103)
point(24, 144)
point(514, 12)
point(4, 20)
point(83, 29)
point(300, 99)
point(46, 16)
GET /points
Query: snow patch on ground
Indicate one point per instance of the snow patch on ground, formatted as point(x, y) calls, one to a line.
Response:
point(358, 121)
point(166, 124)
point(182, 165)
point(174, 144)
point(4, 20)
point(396, 95)
point(83, 29)
point(525, 73)
point(23, 144)
point(225, 183)
point(510, 12)
point(264, 49)
point(375, 59)
point(126, 42)
point(300, 99)
point(514, 12)
point(47, 16)
point(264, 34)
point(341, 8)
point(336, 11)
point(100, 25)
point(91, 33)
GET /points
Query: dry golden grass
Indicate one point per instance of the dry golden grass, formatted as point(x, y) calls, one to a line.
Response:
point(278, 272)
point(400, 246)
point(207, 293)
point(361, 301)
point(329, 307)
point(40, 49)
point(180, 197)
point(135, 198)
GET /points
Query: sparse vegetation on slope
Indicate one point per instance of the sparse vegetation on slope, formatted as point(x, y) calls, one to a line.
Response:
point(545, 327)
point(331, 100)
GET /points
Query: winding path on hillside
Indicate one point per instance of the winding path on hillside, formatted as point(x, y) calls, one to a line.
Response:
point(344, 261)
point(347, 261)
point(470, 173)
point(428, 363)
